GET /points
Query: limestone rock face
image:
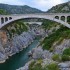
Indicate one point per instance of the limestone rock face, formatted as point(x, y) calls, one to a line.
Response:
point(40, 53)
point(66, 8)
point(64, 65)
point(37, 53)
point(60, 8)
point(3, 37)
point(46, 56)
point(59, 48)
point(14, 45)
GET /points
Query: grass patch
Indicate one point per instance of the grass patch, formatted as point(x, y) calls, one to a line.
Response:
point(52, 66)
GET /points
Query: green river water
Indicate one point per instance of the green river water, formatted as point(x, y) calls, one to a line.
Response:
point(18, 60)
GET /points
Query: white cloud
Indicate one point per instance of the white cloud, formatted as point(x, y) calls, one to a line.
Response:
point(46, 4)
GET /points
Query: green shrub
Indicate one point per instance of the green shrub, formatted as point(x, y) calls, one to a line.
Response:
point(66, 51)
point(65, 58)
point(53, 66)
point(66, 54)
point(31, 65)
point(47, 24)
point(40, 60)
point(51, 49)
point(56, 57)
point(35, 66)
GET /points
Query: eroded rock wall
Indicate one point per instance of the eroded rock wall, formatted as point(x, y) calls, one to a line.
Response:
point(10, 46)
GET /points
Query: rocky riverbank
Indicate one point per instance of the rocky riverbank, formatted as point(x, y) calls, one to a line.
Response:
point(45, 57)
point(16, 37)
point(16, 44)
point(39, 53)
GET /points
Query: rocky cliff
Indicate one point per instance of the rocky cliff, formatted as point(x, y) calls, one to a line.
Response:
point(61, 8)
point(16, 37)
point(13, 39)
point(14, 45)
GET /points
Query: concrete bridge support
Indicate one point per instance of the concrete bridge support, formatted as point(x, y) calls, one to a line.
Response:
point(65, 18)
point(7, 19)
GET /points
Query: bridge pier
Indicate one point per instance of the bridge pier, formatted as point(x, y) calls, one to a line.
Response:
point(4, 19)
point(66, 19)
point(0, 22)
point(59, 17)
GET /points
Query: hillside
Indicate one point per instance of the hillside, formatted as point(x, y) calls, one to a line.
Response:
point(61, 8)
point(15, 9)
point(3, 11)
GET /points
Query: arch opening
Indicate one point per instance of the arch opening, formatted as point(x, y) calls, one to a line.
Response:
point(68, 19)
point(2, 20)
point(56, 17)
point(6, 19)
point(63, 18)
point(10, 18)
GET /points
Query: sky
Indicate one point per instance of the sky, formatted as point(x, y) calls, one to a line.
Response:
point(43, 5)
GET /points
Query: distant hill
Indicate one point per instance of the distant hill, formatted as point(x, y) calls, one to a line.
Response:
point(15, 9)
point(3, 11)
point(61, 8)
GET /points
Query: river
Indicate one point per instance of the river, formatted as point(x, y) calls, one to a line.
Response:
point(18, 60)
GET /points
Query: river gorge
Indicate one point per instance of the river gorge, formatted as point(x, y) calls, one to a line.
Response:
point(33, 39)
point(18, 60)
point(14, 47)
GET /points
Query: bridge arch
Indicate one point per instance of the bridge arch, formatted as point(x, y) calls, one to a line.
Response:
point(63, 18)
point(56, 17)
point(6, 19)
point(68, 19)
point(2, 20)
point(53, 17)
point(10, 18)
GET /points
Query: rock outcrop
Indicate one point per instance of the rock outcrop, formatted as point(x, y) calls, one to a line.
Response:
point(14, 45)
point(46, 56)
point(60, 48)
point(61, 8)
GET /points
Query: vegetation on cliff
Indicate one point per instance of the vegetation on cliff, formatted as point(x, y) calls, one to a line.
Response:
point(36, 65)
point(59, 35)
point(47, 24)
point(16, 27)
point(61, 8)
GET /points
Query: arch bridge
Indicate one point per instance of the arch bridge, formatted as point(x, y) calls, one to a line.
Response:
point(57, 17)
